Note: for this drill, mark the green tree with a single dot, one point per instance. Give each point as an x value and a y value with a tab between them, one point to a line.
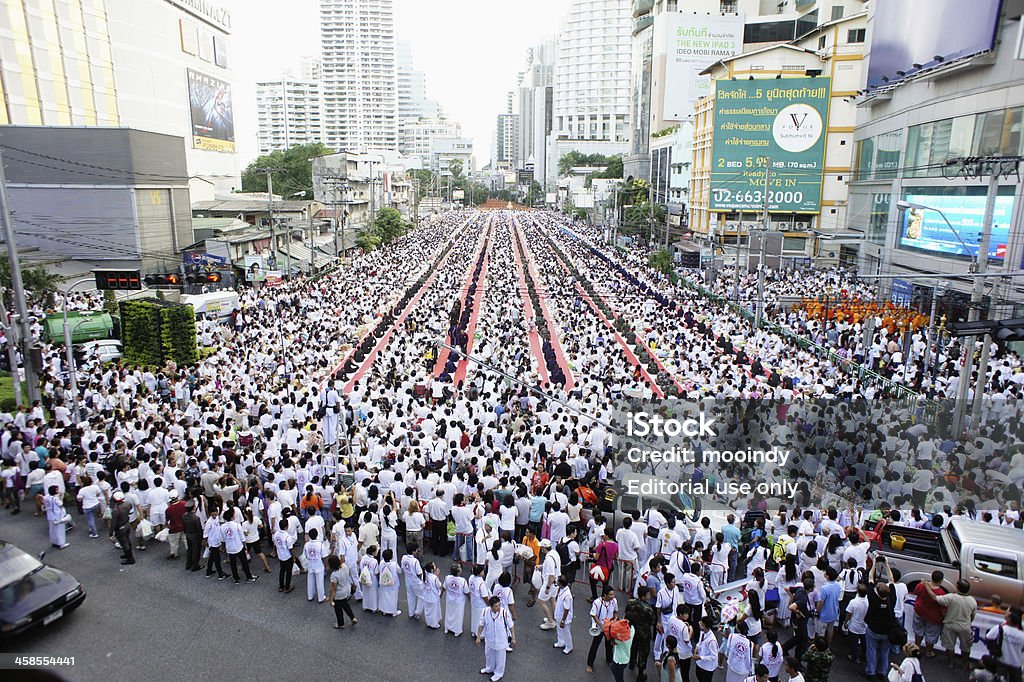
40	284
661	260
297	175
367	242
389	225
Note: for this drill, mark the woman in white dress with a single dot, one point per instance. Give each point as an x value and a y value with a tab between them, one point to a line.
456	588
368	580
485	538
413	581
492	560
388	534
432	589
53	505
478	595
389	582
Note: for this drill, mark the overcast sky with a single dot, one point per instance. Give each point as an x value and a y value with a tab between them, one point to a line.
470	50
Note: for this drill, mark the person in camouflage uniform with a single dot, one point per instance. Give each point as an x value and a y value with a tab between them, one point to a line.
818	661
642	617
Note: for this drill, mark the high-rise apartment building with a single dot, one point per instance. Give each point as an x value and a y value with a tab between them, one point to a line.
592	72
288	113
535	98
507	138
358	74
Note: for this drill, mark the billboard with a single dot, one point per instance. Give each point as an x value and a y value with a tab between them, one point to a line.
939	28
213	122
901	292
695	42
925	229
781	120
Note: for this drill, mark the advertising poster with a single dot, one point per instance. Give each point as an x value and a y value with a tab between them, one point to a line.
255	268
213	123
781	120
925	230
695	42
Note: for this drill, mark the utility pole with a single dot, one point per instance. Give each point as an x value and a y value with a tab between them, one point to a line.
759	314
270	210
373	209
980	266
12	351
18	287
312	245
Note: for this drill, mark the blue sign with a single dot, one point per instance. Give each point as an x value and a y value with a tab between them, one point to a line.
924	229
901	293
201	258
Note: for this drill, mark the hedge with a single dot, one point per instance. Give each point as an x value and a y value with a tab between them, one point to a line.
155	331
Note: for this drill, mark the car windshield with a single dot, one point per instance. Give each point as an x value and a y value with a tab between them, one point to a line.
13	592
15	565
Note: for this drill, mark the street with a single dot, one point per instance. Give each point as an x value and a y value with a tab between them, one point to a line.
155	620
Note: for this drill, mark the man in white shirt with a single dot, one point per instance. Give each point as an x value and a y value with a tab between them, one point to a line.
497	629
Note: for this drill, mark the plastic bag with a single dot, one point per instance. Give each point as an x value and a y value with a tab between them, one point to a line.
144	530
162	535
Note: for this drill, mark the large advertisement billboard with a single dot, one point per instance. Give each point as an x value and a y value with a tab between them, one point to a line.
909	32
778	120
695	42
924	229
213	121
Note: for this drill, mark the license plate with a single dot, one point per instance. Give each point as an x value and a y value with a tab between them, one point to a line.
53	616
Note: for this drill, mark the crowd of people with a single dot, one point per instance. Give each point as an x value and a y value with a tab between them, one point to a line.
348	426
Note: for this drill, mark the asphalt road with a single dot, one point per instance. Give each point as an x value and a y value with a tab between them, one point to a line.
154	621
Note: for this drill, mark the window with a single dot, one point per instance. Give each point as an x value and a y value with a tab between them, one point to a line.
821	42
794	244
837	12
855	35
995	565
629	503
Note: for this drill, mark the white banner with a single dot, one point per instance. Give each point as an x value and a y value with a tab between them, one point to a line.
695	42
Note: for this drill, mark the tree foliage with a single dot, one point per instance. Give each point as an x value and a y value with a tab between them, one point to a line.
574	158
155	331
661	260
297	175
388	226
40	284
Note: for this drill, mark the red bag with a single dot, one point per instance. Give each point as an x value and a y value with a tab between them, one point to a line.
587	495
616	630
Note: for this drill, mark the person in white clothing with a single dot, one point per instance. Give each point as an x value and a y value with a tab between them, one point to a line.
478	594
432	589
413	581
455	589
563	616
313	552
56	517
368	580
498	630
551	568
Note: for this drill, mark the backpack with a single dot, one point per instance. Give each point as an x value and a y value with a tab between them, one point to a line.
192	477
616	630
364	575
586	494
995	646
386	579
779	551
563	552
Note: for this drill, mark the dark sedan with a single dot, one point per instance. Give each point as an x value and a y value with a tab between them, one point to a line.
32	593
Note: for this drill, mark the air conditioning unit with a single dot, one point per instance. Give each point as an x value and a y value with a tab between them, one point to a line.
801	227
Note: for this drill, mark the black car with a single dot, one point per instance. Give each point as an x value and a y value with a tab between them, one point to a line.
32	593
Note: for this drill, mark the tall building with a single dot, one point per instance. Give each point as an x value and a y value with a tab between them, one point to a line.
413	103
535	103
155	65
288	113
309	69
358	74
507	138
591	91
417	137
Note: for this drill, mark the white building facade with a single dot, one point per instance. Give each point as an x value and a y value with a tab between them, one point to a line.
288	113
162	66
358	74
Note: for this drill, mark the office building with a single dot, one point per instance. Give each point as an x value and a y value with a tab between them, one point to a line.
288	113
507	138
358	74
955	91
156	65
535	106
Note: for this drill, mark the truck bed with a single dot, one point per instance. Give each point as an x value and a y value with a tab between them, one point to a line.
921	544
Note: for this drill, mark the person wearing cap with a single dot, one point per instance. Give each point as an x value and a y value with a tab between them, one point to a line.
193	528
174	515
121	528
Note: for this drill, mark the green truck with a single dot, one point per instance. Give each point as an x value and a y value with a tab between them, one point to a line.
85	326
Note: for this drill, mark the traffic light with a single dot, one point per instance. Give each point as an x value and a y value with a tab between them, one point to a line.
1010	331
163	279
117	280
204	278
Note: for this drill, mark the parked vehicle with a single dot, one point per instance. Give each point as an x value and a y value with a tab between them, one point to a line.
990	557
214	304
33	593
104	350
85	326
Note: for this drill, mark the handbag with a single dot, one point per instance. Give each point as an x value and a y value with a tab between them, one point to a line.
897	635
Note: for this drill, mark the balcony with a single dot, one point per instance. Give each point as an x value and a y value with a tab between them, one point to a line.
642	7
